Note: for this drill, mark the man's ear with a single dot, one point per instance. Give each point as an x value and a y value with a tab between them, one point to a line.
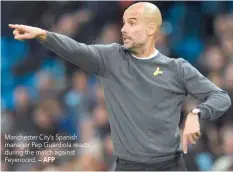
152	28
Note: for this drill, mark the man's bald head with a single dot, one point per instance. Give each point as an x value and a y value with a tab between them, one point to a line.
142	22
149	11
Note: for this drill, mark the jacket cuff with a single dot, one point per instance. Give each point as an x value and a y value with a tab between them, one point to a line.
204	115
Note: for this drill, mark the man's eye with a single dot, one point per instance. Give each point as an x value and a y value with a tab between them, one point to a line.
132	23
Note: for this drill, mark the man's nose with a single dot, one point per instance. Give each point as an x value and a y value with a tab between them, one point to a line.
123	29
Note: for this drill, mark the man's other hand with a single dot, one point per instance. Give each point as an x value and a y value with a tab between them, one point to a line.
23	32
191	131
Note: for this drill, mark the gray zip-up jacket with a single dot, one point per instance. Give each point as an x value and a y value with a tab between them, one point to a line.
143	97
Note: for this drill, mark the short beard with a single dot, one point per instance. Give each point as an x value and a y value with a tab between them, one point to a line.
132	49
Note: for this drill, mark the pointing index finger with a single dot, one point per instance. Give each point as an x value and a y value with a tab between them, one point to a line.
12	26
15	26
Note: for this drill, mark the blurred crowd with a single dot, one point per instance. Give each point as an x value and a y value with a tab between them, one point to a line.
42	93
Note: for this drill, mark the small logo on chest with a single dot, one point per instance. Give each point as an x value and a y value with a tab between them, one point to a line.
157	72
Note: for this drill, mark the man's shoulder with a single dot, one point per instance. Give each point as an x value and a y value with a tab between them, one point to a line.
181	60
175	64
110	48
113	45
171	60
118	47
180	64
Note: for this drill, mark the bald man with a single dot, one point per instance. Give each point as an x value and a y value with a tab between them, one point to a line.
144	90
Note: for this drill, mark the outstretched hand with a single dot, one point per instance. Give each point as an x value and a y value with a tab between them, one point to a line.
23	32
191	132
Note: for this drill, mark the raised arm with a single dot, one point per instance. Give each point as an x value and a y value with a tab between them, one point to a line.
88	57
214	100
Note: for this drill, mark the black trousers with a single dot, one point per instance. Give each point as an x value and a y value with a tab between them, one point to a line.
176	164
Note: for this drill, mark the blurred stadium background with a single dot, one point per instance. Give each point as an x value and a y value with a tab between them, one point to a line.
42	93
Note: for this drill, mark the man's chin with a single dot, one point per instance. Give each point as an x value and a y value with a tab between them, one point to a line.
127	46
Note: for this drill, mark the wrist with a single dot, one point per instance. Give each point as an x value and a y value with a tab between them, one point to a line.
42	35
196	111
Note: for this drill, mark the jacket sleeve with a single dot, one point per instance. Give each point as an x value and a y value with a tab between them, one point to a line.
88	57
215	101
